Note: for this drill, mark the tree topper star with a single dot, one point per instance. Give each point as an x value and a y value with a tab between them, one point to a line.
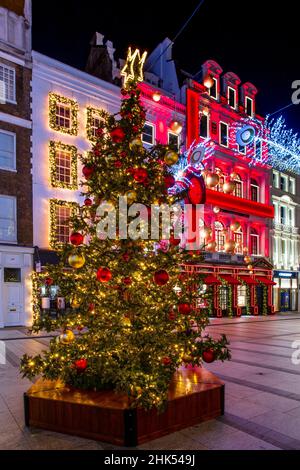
133	68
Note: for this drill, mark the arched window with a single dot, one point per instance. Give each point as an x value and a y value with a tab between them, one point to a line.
219	186
219	236
254	190
238	190
254	242
238	238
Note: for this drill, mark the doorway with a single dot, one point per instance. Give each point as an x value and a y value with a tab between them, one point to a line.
13	297
285	300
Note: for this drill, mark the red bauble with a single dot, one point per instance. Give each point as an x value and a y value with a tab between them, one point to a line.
166	361
172	316
123	92
136	129
174	241
118	164
140	175
48	281
80	327
184	308
123	154
104	274
76	238
182	277
87	171
161	277
91	307
126	257
169	181
127	281
97	152
99	131
88	202
117	135
208	355
81	365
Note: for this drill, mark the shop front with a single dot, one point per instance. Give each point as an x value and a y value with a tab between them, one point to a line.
285	293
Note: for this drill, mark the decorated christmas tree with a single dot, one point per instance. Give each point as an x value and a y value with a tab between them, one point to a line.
135	314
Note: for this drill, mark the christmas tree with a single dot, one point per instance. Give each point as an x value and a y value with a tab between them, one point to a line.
135	314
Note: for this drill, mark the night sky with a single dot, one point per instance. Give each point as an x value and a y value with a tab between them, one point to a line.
258	40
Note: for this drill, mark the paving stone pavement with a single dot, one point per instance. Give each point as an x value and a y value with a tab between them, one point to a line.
262	393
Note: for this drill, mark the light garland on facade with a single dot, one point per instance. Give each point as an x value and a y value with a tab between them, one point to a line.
91	113
54	147
53	225
55	100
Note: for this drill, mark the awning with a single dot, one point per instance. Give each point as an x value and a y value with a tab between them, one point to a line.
230	279
211	279
265	281
248	280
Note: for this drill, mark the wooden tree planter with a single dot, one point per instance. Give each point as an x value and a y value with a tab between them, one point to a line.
195	395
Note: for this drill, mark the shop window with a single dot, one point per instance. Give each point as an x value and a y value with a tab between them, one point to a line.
148	134
204	128
238	190
241	296
254	190
223	138
232	97
12	275
254	242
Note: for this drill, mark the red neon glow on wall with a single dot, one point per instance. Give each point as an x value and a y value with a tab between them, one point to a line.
192	118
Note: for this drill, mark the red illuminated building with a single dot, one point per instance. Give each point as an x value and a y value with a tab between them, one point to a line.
238	210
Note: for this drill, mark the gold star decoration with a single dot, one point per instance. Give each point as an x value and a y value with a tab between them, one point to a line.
133	68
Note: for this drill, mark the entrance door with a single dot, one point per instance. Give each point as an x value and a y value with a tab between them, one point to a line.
284	300
259	298
13	297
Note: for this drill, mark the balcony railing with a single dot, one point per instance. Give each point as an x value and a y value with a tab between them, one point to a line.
285	228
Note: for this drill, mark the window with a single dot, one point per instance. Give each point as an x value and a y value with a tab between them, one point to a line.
213	90
241	296
292	217
254	190
204	130
258	150
283	182
224	134
242	149
254	242
8	81
219	186
7	150
283	247
173	140
63	165
249	106
60	213
12	275
223	297
238	238
219	236
283	215
292	185
8	219
95	117
238	189
148	134
232	97
275	179
63	114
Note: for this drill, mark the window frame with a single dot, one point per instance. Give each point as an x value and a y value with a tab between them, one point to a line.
173	134
286	179
54	147
220	134
53	236
293	182
56	100
247	98
254	236
6	99
14	199
275	176
238	183
207	125
93	113
252	185
218	233
230	88
150	124
238	237
215	80
13	134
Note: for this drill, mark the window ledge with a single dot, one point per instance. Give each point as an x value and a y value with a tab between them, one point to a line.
11	170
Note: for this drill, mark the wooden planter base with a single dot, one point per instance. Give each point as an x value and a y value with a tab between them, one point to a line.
195	395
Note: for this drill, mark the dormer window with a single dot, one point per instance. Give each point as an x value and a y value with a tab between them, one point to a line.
249	106
213	90
231	94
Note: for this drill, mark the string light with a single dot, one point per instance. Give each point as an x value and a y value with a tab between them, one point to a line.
54	102
54	148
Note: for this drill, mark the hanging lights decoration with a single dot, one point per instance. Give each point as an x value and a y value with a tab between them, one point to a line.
55	122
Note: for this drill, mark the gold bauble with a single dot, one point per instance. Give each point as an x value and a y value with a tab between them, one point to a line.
211	246
67	337
207	232
75	303
245	250
126	321
250	272
247	259
250	267
229	246
216	209
137	142
228	187
212	180
131	196
171	157
187	358
76	261
234	226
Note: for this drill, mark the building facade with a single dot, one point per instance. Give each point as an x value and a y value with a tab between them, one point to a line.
285	240
16	252
66	104
238	211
